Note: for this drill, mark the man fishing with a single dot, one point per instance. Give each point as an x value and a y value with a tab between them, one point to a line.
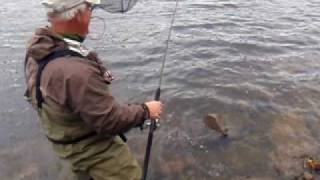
68	86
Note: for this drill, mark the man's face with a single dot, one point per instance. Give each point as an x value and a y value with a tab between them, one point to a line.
84	21
79	24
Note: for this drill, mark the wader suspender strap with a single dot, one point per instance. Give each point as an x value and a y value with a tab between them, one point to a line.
41	65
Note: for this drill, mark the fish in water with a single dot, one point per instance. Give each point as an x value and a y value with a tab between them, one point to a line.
215	122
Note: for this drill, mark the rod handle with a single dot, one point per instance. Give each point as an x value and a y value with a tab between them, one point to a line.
157	95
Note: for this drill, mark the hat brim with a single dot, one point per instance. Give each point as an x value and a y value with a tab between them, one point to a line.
94	1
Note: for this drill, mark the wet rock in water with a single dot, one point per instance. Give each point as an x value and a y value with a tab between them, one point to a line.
29	172
176	164
242	157
29	160
252	178
216	122
292	138
307	176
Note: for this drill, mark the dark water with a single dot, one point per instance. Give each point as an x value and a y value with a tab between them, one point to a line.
254	62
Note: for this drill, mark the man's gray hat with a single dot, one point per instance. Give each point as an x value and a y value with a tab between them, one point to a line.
59	6
113	6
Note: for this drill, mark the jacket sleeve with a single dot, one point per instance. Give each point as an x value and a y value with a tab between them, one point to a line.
91	99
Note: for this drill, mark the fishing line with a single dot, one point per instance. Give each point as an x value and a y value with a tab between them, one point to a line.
155	123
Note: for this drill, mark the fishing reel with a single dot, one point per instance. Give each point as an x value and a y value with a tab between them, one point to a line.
148	124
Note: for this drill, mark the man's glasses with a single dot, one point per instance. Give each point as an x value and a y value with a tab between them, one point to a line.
93	7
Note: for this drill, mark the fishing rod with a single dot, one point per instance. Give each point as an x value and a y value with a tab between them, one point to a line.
155	123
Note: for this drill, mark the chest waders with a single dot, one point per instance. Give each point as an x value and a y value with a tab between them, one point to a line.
41	66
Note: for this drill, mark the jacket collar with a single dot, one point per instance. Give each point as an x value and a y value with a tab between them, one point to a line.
77	47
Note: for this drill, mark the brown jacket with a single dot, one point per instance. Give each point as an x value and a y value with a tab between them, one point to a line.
78	85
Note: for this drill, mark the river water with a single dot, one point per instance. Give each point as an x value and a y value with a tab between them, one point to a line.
254	62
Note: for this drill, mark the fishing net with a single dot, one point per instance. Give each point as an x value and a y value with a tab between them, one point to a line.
116	6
